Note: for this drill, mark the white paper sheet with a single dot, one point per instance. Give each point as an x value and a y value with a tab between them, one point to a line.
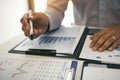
14	68
94	73
106	56
63	40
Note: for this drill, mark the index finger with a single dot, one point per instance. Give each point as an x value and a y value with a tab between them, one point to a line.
24	20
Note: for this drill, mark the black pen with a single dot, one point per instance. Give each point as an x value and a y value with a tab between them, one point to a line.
45	52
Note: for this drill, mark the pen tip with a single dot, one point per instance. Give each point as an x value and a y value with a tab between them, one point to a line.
31	37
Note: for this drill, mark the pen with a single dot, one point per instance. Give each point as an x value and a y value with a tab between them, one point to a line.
31	29
70	73
73	67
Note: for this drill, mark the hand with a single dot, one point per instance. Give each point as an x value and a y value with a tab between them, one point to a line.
40	24
106	39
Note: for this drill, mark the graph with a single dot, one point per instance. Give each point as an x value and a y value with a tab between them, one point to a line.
17	69
21	71
32	69
1	63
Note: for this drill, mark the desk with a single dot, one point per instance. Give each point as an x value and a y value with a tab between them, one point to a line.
6	46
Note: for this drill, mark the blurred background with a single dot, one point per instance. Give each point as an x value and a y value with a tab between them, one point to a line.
11	12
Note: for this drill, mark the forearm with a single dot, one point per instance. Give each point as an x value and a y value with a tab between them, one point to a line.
55	11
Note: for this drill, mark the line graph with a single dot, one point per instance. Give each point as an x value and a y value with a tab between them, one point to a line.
21	71
1	63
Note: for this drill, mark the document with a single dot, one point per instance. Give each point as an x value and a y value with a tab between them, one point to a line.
63	40
42	68
97	73
106	56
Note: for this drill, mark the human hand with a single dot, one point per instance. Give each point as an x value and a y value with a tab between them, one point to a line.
40	24
106	39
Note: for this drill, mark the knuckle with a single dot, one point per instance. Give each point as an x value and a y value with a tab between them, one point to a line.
102	39
107	43
100	42
105	46
110	40
97	44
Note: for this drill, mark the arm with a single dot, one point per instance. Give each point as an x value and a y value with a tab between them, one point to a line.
55	11
51	19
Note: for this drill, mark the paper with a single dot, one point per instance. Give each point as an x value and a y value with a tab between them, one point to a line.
12	68
63	40
106	56
94	73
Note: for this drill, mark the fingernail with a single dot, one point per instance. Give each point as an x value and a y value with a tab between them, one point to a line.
94	49
110	49
100	49
90	46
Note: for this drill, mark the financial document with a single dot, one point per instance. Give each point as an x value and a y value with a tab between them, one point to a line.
13	68
106	56
63	40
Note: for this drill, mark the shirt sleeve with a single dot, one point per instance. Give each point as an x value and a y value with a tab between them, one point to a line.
55	11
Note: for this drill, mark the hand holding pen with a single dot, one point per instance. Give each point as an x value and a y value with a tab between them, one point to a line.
39	21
